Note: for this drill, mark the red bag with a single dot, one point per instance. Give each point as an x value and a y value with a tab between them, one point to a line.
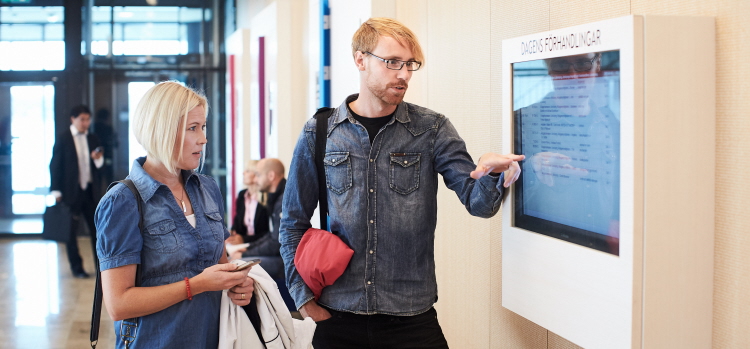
321	259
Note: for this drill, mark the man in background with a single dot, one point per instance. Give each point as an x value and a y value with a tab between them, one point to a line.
74	172
270	180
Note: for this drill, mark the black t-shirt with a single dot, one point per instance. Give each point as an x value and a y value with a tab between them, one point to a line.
373	125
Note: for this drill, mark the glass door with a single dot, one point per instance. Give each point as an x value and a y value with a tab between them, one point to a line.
32	136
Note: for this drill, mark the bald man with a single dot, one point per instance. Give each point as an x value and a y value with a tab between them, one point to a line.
269	174
269	177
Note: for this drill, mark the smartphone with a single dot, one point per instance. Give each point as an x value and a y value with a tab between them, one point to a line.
247	264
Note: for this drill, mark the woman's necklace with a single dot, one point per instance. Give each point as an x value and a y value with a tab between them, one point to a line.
182	192
182	196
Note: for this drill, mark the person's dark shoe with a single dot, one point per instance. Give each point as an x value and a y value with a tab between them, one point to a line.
81	275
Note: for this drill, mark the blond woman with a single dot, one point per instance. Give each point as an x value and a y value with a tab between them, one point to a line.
181	250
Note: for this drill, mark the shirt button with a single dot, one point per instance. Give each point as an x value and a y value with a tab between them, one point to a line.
371	251
372	221
371	190
369	282
371	160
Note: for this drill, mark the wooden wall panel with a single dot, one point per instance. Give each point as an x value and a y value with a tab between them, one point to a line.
731	259
675	8
467	247
508	329
413	14
556	342
458	51
679	126
566	13
732	252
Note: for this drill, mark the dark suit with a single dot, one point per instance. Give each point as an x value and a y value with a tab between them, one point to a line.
65	178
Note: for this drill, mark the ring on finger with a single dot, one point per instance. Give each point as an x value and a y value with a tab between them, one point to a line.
242	296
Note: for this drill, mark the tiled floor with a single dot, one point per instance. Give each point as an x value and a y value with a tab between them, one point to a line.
42	304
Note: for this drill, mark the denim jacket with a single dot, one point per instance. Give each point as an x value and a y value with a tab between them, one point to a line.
169	250
383	204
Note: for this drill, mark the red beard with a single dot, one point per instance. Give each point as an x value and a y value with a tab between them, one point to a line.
389	95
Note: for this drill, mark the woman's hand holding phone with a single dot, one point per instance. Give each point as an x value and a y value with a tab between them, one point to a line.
216	278
246	264
242	293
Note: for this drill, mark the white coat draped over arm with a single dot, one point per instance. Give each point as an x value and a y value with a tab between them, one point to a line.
279	329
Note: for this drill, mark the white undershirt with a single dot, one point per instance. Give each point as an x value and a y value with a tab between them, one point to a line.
191	219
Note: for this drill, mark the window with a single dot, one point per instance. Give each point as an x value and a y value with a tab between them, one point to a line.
36	33
145	30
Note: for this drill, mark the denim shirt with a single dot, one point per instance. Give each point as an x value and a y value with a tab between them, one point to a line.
169	250
382	201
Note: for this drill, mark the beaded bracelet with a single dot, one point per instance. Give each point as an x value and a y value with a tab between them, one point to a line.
187	286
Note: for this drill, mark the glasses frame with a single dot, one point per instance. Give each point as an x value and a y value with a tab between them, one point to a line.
583	61
403	63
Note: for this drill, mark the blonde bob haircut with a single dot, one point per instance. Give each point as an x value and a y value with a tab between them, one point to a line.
366	37
161	116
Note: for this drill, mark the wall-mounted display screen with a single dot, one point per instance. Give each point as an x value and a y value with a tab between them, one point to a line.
567	123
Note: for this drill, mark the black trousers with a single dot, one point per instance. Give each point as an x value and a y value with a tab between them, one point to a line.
82	210
347	330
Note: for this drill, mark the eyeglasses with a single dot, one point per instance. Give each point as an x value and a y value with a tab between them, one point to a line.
563	66
396	64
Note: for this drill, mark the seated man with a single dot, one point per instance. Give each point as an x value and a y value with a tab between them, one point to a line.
269	179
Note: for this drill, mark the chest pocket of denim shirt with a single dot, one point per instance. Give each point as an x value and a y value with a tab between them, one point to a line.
217	226
338	171
404	173
162	237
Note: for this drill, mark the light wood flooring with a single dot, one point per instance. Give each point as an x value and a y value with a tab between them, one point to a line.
41	304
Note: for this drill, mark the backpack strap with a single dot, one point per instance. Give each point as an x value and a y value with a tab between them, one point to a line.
127	327
321	136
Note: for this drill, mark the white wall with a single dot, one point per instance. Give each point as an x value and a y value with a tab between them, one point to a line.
286	74
346	17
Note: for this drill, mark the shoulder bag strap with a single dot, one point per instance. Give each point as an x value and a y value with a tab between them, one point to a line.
321	136
128	327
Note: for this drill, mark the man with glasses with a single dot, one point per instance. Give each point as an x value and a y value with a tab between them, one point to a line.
382	161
